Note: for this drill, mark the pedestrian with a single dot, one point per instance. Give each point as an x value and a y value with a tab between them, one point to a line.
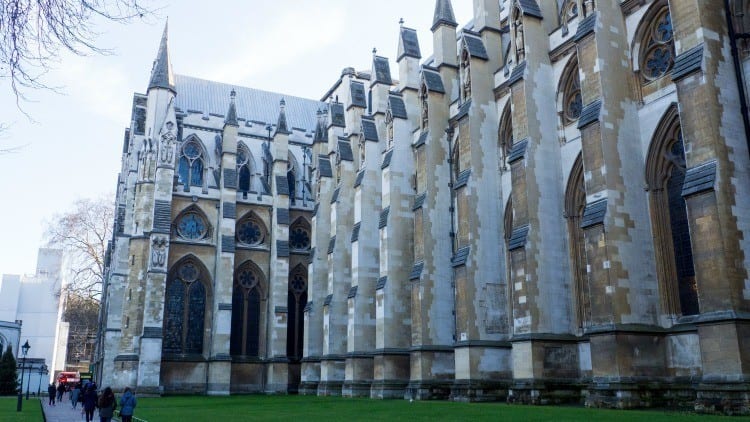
127	405
60	391
75	395
90	399
52	393
107	405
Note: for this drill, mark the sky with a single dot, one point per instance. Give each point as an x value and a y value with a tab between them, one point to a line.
70	145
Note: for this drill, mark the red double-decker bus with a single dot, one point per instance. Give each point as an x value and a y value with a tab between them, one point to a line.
68	378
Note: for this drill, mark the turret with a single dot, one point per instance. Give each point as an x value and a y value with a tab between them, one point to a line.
408	58
444	34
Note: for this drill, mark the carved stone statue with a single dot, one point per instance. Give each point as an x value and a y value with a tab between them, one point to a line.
520	49
168	139
159	253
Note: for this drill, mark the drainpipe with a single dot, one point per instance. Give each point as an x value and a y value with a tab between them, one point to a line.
738	69
449	132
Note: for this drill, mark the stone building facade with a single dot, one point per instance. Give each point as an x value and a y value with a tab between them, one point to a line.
552	207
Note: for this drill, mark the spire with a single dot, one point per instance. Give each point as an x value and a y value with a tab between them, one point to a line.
161	73
321	134
281	126
443	14
231	119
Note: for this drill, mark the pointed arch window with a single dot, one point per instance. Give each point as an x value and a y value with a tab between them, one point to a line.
567	11
250	231
296	301
291	177
423	101
505	135
244	169
570	93
185	309
192	225
657	45
665	175
246	311
191	164
389	128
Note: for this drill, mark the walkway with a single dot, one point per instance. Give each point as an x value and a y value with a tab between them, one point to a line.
62	412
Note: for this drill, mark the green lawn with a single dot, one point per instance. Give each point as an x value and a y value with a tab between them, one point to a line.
32	411
240	408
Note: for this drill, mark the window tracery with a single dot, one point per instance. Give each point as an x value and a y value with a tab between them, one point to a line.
572	102
657	46
250	231
244	168
246	299
184	310
191	225
299	236
191	165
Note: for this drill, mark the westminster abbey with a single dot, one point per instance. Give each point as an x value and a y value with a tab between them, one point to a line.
553	207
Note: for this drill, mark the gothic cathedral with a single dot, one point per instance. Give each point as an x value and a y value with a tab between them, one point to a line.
553	207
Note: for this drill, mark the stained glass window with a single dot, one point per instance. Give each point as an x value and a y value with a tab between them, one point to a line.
192	226
190	167
184	311
244	163
246	297
572	101
657	55
249	231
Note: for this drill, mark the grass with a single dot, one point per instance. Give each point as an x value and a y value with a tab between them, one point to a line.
32	411
265	408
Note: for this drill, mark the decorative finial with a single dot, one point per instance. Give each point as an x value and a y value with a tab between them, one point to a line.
282	103
233	94
401	22
374	51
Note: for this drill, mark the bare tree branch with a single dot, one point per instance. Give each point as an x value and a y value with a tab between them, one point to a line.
33	33
83	233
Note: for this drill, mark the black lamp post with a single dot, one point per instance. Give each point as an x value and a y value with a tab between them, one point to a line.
28	382
42	371
25	348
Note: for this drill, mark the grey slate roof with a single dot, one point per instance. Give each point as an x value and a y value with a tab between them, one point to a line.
352	292
396	105
335	196
517	74
360	177
585	27
461	256
688	62
422	139
699	179
384	217
594	213
355	232
530	8
416	270
408	44
589	114
229	210
161	73
387	159
308	306
419	201
162	216
337	115
345	150
282	248
230	178
443	14
474	45
227	244
382	70
463	110
210	97
282	185
328	300
358	94
282	215
324	166
369	129
432	79
518	150
462	179
518	238
331	244
381	283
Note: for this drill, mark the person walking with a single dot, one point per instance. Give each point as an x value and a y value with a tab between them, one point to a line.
127	405
75	395
60	391
90	400
107	405
52	393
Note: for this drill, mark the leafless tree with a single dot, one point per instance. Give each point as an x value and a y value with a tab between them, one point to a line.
33	33
82	315
83	233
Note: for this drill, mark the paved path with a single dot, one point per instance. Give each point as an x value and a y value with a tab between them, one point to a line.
63	412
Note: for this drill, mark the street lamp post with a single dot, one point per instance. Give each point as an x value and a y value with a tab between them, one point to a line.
25	348
42	371
28	383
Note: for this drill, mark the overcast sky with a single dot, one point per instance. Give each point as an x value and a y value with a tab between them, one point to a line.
73	149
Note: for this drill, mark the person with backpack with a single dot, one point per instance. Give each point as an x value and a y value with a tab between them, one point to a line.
107	405
90	400
127	405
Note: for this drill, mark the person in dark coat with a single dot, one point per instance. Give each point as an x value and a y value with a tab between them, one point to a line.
90	399
127	405
107	405
60	391
52	393
75	395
